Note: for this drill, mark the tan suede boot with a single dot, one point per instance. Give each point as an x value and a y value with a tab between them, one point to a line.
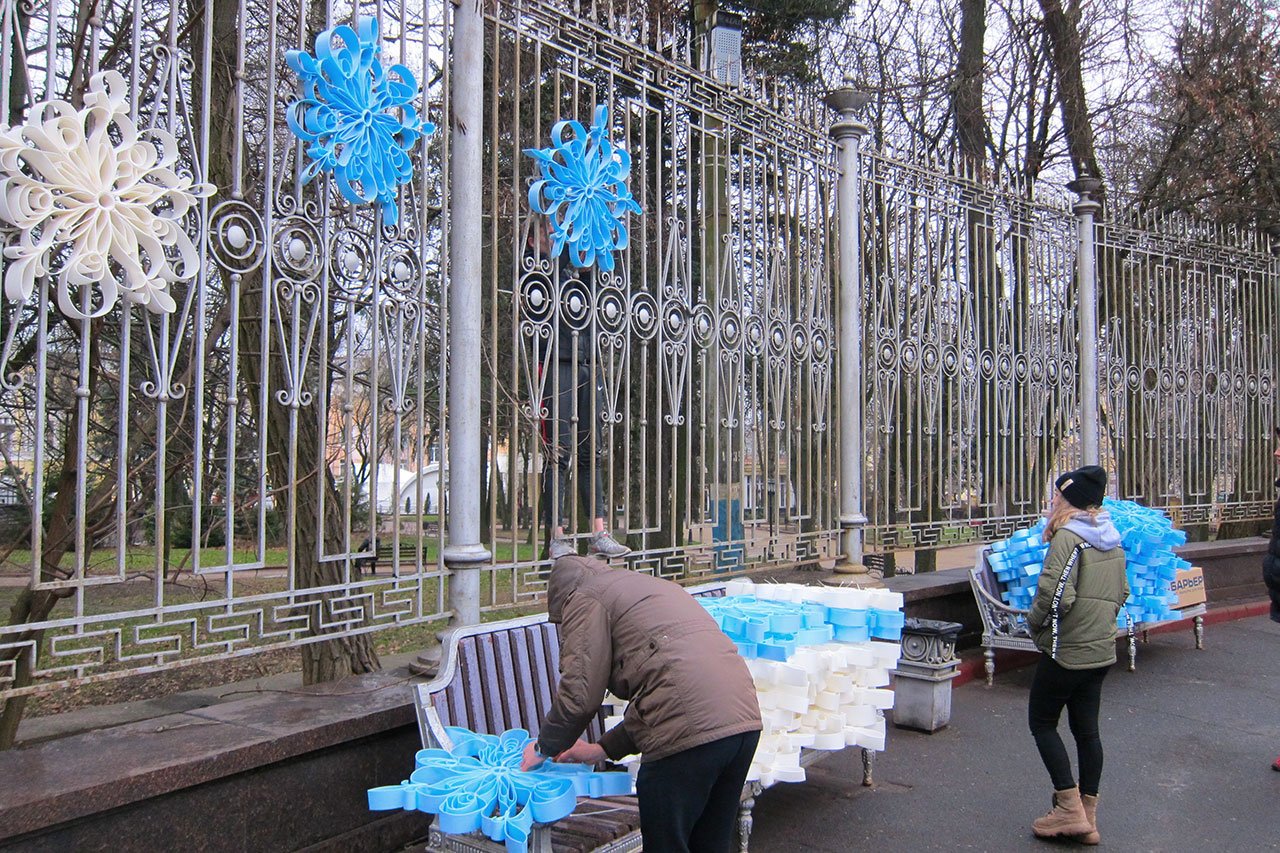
1090	803
1067	816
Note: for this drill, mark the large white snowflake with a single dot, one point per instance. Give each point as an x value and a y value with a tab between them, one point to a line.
98	200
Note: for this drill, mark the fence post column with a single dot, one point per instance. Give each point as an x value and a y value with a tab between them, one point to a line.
464	554
848	131
1087	308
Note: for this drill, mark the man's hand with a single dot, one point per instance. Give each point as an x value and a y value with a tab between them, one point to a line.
531	757
582	753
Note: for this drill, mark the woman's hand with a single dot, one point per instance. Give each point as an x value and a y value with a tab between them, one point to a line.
582	753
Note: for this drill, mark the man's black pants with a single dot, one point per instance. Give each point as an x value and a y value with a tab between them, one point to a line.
689	801
1080	692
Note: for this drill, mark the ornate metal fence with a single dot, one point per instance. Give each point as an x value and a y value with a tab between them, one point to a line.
222	372
1188	324
707	349
970	343
226	323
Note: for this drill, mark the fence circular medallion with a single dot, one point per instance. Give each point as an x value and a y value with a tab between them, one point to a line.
1021	367
1051	371
821	349
730	331
987	363
1181	379
644	316
535	297
1150	379
1037	369
969	364
950	360
755	335
1166	379
1115	376
575	303
777	338
1264	386
1004	367
704	325
401	268
1197	382
297	249
1134	378
1211	383
611	309
929	357
237	236
1253	383
887	353
675	322
352	260
799	341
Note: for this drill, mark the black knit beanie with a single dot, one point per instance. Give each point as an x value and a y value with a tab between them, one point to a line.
1084	487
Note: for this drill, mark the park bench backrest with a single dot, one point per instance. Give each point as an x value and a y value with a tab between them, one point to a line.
498	676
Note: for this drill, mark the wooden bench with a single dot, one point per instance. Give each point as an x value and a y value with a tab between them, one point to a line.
1004	627
502	675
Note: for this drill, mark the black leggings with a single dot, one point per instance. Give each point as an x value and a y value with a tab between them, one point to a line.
689	801
1080	692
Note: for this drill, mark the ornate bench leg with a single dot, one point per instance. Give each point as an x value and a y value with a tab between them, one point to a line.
1133	653
990	654
1198	628
868	765
744	817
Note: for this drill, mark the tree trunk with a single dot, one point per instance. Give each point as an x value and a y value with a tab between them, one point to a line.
971	125
295	459
1063	28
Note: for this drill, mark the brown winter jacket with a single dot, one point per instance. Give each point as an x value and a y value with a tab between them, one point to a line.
648	641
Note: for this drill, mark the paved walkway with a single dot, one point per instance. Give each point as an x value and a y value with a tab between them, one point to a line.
1189	740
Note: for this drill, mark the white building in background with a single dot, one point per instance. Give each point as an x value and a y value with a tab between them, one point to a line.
413	487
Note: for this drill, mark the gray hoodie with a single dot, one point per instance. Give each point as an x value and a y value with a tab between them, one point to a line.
1097	530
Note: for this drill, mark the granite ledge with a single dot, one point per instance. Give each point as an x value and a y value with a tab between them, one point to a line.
75	776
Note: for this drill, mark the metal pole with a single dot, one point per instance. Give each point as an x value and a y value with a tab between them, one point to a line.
848	132
1087	343
464	554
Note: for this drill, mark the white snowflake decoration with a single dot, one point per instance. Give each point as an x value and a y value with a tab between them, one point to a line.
105	205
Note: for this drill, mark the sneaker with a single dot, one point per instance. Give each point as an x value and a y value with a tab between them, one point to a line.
561	548
604	545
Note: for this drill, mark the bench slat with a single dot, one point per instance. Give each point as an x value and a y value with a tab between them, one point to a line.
491	681
473	692
508	676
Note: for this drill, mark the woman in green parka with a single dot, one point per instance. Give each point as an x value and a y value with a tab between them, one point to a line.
1073	620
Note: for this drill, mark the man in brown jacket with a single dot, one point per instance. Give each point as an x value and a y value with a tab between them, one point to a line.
693	713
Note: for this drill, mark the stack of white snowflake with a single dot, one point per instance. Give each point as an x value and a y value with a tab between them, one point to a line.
825	697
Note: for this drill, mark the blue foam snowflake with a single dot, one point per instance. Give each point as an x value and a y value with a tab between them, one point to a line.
478	785
583	191
357	117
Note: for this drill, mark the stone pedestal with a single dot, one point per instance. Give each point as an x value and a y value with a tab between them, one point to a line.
922	684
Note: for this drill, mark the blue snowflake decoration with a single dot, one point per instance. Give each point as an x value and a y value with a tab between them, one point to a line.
583	191
357	118
478	786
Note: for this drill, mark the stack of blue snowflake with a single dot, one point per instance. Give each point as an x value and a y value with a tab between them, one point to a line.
772	629
1016	563
1148	538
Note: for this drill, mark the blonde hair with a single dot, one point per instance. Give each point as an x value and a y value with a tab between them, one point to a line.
1061	512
